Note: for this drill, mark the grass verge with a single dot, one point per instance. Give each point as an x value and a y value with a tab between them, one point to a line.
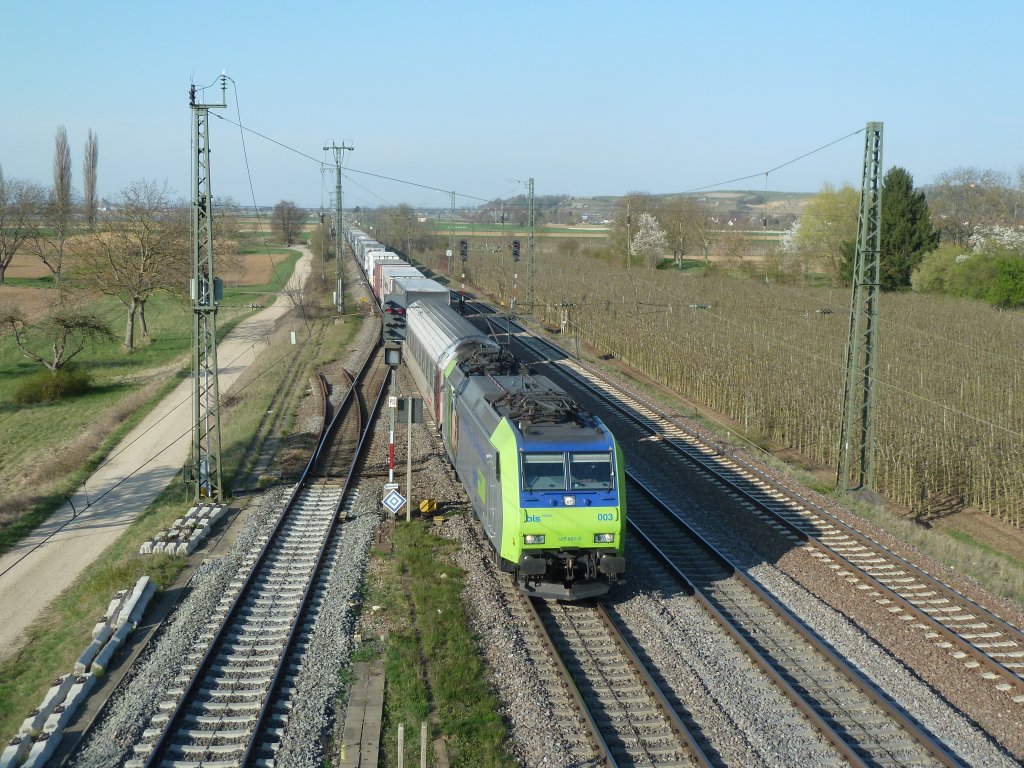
431	661
126	415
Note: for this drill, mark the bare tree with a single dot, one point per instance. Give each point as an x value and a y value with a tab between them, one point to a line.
686	223
964	198
287	219
58	337
89	161
20	204
141	250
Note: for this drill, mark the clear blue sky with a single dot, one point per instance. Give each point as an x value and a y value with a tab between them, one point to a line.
589	98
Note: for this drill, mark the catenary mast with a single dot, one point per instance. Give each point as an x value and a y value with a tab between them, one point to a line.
206	294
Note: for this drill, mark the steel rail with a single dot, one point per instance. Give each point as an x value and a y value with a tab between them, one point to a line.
187	695
685	745
859	681
675	721
596	737
307	595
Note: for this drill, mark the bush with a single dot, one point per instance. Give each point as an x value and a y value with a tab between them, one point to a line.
935	272
46	386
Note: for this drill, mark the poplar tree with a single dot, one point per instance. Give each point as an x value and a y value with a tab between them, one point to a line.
89	162
50	242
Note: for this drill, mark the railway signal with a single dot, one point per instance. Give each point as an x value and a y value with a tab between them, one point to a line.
515	250
464	255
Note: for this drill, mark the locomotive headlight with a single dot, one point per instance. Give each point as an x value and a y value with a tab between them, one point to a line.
533	538
604	538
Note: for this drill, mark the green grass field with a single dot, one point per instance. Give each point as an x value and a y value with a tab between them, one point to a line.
431	664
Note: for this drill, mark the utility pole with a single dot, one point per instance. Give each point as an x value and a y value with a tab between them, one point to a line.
515	280
531	249
322	244
764	228
451	236
856	468
206	293
338	154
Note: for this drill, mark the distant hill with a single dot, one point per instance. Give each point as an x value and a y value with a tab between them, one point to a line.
749	205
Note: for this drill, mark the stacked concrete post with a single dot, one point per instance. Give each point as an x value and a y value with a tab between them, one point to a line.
41	732
185	533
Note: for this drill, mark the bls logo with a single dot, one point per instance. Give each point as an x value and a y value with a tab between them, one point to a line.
533	518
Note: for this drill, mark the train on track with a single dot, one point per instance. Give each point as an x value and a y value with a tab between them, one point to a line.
546	478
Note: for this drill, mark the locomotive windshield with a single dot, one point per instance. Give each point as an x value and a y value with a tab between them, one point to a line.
543	471
591	471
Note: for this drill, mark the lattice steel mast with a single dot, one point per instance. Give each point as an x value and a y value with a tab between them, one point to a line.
531	250
206	294
856	468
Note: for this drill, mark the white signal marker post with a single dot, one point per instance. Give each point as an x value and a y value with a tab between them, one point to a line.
408	460
393	359
392	407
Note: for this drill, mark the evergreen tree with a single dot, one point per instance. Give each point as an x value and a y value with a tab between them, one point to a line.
906	229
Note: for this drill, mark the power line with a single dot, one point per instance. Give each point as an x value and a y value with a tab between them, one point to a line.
252	189
772	170
300	153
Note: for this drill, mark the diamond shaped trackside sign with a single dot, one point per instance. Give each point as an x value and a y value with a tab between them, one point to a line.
394	501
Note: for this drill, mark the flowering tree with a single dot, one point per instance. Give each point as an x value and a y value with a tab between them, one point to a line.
994	237
649	242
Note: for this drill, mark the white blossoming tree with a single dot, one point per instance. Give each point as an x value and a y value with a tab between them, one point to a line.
995	237
650	242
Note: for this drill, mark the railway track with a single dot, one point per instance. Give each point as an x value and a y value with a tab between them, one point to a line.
628	718
230	701
976	636
863	726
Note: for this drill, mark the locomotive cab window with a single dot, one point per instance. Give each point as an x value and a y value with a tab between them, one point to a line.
591	471
543	472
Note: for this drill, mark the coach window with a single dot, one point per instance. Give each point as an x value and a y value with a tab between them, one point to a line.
543	472
591	471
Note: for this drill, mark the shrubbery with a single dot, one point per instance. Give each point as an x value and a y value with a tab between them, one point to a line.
45	387
996	277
